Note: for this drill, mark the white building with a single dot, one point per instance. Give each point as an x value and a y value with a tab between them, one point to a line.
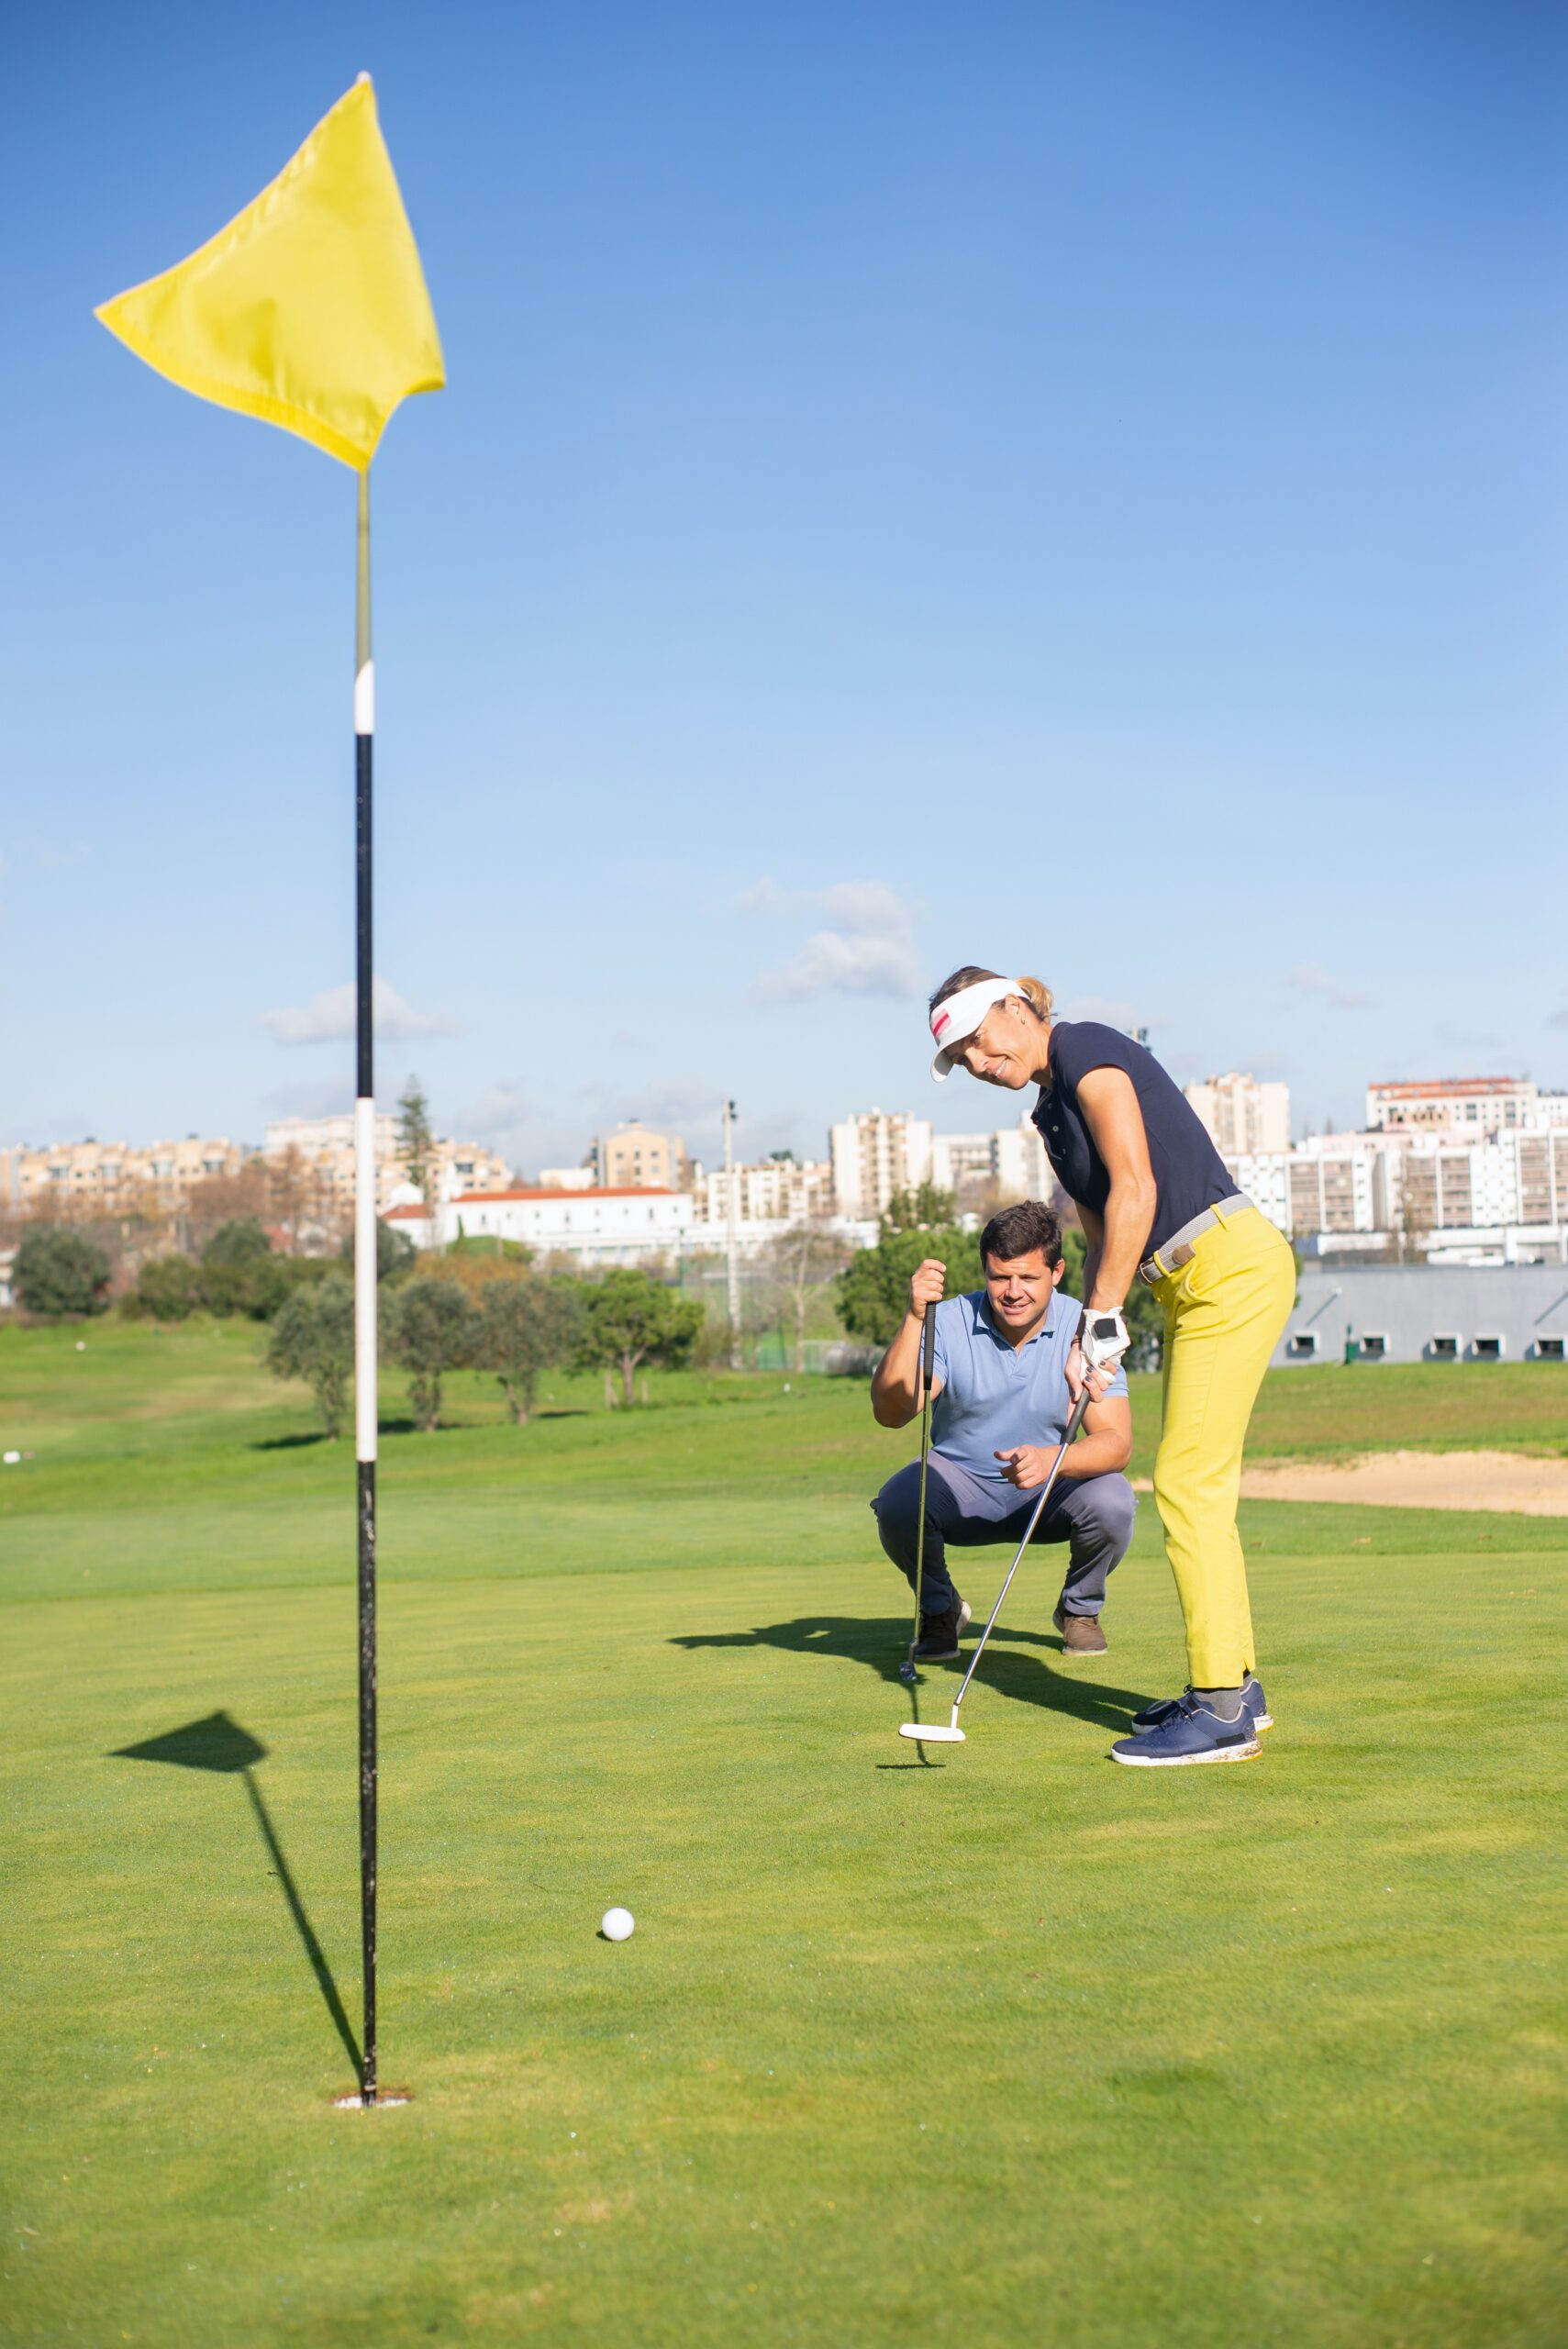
873	1154
1241	1116
1011	1163
1424	1186
779	1190
596	1227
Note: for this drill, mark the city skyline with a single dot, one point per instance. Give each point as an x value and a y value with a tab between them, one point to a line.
1081	499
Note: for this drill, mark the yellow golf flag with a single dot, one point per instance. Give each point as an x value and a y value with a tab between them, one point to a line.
309	311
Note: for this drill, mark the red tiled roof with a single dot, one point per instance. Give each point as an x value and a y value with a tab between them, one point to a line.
1424	1088
549	1191
415	1212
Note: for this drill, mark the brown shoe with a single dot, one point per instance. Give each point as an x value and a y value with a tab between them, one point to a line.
1081	1634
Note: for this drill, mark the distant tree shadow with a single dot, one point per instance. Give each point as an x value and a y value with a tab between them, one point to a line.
882	1643
287	1443
217	1743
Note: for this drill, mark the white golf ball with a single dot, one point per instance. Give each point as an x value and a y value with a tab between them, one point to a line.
617	1924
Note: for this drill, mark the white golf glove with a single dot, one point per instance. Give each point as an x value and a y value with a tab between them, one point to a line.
1105	1339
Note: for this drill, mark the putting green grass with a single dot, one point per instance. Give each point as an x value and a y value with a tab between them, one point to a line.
1011	2046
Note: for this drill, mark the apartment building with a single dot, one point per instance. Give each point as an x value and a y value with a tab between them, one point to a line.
108	1177
1008	1164
637	1158
1425	1187
324	1148
1243	1117
780	1191
873	1154
1473	1105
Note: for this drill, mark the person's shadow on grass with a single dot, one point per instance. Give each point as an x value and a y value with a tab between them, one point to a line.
882	1643
217	1743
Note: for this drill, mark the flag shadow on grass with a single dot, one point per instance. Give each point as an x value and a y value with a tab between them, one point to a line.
882	1643
220	1744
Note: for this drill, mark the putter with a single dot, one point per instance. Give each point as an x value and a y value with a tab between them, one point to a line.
953	1734
928	1357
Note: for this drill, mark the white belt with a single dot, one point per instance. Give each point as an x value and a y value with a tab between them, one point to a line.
1172	1254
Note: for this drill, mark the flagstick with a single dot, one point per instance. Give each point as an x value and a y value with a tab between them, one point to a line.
365	1267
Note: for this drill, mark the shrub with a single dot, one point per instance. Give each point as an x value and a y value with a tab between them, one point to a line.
167	1288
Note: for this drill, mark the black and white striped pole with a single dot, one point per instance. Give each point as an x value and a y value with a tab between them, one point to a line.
365	1263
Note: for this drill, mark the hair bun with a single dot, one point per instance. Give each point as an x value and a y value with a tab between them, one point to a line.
1039	994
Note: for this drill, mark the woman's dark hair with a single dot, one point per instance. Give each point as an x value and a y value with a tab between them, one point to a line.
1018	1232
969	974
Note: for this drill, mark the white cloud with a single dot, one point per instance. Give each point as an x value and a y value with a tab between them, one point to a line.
865	945
1310	978
329	1017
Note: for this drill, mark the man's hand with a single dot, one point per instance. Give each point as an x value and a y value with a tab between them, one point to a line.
1027	1464
926	1285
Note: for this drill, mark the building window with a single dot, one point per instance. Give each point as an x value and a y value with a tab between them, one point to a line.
1302	1345
1442	1349
1375	1346
1487	1349
1548	1349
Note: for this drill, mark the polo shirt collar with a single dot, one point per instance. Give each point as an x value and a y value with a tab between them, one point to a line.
1047	1329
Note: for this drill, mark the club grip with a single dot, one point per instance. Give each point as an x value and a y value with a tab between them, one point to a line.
929	1348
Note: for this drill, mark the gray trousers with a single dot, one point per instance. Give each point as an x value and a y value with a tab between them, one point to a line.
1092	1514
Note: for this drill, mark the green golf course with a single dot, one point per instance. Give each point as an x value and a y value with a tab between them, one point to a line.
1003	2045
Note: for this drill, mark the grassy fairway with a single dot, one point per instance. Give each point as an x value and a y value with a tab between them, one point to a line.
1014	2047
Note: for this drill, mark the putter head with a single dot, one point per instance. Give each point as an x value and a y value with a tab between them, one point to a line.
943	1733
906	1672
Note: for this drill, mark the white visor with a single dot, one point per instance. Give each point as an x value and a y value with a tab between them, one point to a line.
957	1016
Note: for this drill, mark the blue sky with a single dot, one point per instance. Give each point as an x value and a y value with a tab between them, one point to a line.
1079	490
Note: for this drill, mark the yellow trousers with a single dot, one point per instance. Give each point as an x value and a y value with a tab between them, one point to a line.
1225	1313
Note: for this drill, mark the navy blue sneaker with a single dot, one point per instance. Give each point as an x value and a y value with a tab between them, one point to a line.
1252	1702
1192	1735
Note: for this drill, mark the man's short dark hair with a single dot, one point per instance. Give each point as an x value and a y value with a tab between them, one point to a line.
1018	1232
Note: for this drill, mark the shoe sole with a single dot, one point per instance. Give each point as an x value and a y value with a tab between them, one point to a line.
1248	1753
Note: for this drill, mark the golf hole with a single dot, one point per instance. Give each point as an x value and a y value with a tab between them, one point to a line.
354	2101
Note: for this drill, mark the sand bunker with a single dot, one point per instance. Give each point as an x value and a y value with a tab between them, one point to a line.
1473	1480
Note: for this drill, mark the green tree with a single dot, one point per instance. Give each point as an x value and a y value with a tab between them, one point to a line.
432	1328
395	1253
526	1327
313	1338
417	1143
874	1288
57	1271
800	1262
167	1288
628	1318
237	1244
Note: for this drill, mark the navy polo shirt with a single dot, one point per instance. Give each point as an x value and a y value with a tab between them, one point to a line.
1189	1173
995	1395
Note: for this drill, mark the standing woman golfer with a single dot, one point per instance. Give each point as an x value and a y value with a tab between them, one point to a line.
1157	1205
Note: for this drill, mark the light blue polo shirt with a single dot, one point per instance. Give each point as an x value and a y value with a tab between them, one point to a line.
996	1396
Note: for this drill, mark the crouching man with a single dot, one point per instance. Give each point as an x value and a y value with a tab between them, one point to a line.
1000	1404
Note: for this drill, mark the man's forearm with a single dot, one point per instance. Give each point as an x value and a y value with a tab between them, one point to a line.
895	1383
1100	1454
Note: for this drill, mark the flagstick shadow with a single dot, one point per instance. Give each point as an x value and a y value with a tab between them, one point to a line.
220	1744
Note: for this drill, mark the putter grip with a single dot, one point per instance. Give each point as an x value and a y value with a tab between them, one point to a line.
928	1348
